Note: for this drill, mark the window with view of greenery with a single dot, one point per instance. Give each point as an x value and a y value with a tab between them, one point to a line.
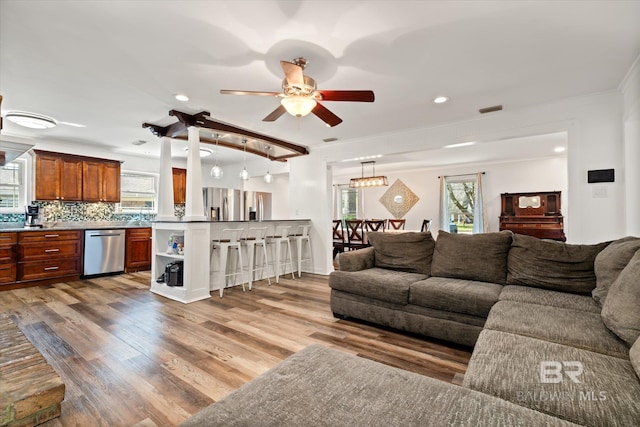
138	192
461	196
349	203
12	188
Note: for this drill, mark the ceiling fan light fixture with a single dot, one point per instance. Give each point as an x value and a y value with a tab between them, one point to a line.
298	106
31	120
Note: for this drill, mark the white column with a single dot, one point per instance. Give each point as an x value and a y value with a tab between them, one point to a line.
165	185
194	207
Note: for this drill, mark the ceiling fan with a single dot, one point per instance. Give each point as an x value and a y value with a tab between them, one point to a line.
300	95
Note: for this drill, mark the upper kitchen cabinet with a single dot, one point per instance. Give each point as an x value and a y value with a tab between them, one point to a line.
179	185
58	177
100	180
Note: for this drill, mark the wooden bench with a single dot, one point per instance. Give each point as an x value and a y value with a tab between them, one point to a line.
30	390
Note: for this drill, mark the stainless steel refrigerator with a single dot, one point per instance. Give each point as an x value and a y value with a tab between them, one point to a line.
257	206
222	204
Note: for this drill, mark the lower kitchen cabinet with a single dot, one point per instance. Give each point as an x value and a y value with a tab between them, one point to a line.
49	255
138	249
8	258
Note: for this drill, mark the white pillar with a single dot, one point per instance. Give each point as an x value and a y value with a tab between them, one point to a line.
194	206
165	186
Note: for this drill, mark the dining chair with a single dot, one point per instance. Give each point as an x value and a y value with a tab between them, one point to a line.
426	225
355	234
397	224
374	224
338	237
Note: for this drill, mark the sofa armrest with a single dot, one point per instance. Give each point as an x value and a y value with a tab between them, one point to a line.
360	259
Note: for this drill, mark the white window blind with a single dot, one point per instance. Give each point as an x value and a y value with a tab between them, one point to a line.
11	185
137	192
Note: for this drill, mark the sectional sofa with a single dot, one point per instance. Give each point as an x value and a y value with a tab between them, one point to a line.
554	328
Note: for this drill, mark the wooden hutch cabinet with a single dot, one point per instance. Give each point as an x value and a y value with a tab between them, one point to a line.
535	214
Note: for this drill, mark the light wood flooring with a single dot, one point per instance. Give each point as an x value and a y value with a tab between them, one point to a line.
130	357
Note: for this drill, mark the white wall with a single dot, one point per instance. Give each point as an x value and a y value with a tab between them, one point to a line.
631	91
548	174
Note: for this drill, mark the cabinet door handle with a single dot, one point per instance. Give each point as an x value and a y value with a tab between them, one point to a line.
47	236
52	250
51	268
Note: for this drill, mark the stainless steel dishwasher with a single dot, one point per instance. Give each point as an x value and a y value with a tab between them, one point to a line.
103	252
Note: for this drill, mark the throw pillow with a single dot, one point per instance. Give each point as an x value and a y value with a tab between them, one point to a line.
411	252
621	309
610	262
549	264
480	257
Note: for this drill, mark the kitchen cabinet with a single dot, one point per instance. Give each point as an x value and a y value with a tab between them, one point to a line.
179	185
138	249
49	255
100	180
8	258
58	176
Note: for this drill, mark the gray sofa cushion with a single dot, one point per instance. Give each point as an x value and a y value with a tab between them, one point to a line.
552	265
508	366
457	295
610	262
621	310
376	283
563	326
411	252
550	298
362	259
480	257
319	386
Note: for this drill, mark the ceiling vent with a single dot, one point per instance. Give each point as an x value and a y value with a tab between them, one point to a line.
330	139
490	109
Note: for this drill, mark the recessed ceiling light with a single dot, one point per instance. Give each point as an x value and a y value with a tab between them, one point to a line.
441	99
559	149
30	120
182	97
461	144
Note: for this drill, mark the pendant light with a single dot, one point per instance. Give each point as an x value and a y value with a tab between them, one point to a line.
369	181
244	175
216	171
268	178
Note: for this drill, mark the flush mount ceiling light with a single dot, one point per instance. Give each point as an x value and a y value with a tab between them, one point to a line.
440	99
181	97
31	120
370	181
204	152
216	171
460	144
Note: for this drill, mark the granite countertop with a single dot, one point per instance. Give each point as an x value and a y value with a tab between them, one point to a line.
73	225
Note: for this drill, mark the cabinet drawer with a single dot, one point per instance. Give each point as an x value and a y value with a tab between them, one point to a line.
47	269
138	232
7	253
48	236
8	238
49	250
7	273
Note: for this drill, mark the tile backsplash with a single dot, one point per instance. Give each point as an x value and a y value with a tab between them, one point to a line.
84	211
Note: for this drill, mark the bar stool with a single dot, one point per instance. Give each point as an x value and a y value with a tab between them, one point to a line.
229	240
256	236
280	237
302	235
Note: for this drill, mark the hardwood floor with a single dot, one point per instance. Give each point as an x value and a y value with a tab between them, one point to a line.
130	357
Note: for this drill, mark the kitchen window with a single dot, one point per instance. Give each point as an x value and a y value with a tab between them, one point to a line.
138	192
13	195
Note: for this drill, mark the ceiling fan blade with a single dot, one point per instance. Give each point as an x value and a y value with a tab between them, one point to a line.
325	115
275	114
293	73
249	92
347	95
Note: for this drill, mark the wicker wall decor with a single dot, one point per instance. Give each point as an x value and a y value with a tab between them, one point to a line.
399	199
